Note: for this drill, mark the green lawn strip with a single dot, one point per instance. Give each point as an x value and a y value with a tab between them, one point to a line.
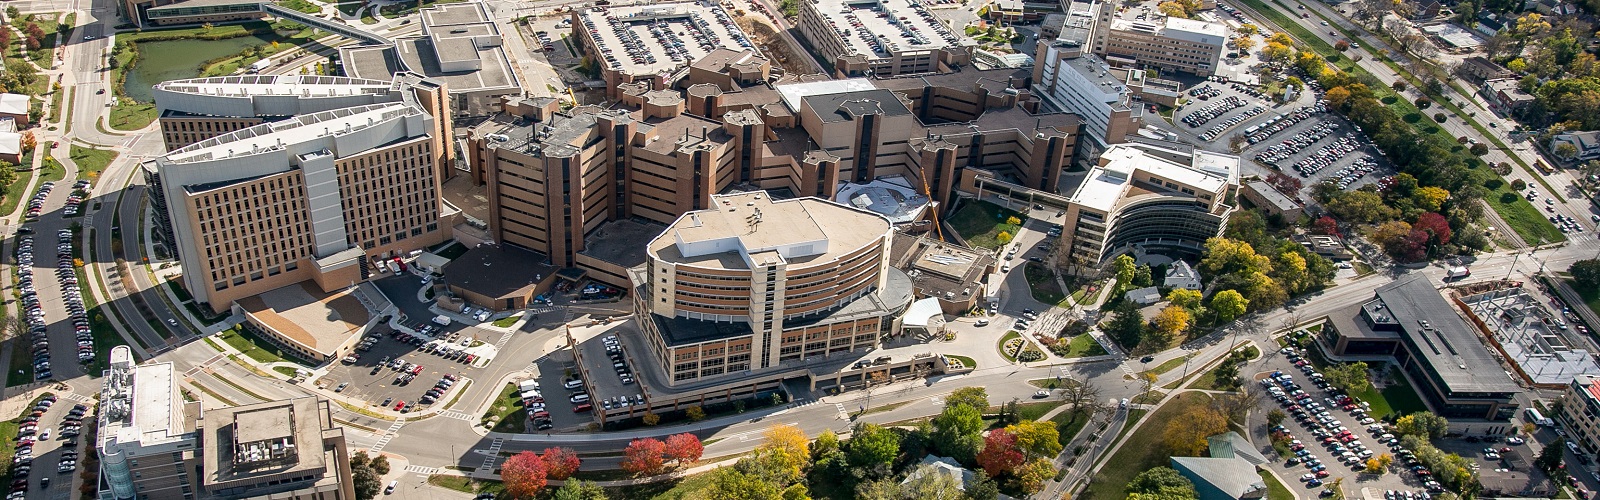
459	392
980	223
507	406
21	363
52	170
694	486
100	328
1591	297
68	122
1275	488
1167	366
1042	283
465	484
1083	346
302	6
506	322
965	361
1210	381
1519	214
284	370
55	106
349	8
15	192
257	348
1142	451
91	161
213	344
1002	345
215	395
1069	423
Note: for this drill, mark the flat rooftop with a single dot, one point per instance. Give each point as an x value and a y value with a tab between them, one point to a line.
749	229
1532	337
300	420
463	33
319	321
284	85
794	93
661	38
878	28
938	268
1439	336
140	406
293	131
499	271
1273	196
617	242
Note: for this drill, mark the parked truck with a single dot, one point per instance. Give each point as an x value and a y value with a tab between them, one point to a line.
259	66
1457	272
442	320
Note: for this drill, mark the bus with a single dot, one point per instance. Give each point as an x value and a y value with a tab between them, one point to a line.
1533	415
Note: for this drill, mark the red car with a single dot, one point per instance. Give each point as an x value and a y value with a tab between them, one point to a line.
541	414
416	370
398	405
582	408
1322	473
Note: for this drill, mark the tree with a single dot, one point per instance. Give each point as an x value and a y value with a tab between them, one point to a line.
1348	377
1079	394
380	465
524	474
786	449
1276	417
882	489
957	432
683	448
367	483
1436	228
1479	149
29	141
1229	304
1141	276
826	444
1165	482
1125	269
1341	45
1035	473
1185	298
1000	453
731	483
1126	325
1244	44
1424	425
1038	439
871	446
1172	320
983	488
1565	150
1551	456
1186	435
560	463
578	489
976	397
1399	86
1361	206
644	457
1248	29
1586	273
650	419
1277	53
1338	96
1003	237
1285	184
695	413
1430	198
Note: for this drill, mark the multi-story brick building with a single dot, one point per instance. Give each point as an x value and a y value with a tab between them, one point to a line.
882	38
751	284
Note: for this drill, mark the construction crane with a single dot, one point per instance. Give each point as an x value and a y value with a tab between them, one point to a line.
926	191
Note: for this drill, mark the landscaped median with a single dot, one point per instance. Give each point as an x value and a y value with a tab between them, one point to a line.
986	225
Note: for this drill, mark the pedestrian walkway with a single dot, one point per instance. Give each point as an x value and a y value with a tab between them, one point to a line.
487	470
388	435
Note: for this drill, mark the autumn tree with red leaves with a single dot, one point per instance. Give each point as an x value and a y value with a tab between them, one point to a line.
644	457
524	474
684	448
560	463
1000	453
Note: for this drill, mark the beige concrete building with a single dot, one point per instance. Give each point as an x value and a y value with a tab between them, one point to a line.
306	322
755	285
1580	411
882	38
1148	196
315	197
152	444
1175	44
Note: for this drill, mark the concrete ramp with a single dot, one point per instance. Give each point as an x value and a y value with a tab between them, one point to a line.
324	24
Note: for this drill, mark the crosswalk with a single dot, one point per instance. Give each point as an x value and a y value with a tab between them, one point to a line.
456	415
418	469
78	397
394	429
493	455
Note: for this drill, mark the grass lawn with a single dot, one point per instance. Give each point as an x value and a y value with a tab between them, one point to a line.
21	363
507	411
302	6
981	223
1142	451
1167	366
965	361
14	192
507	321
1363	269
91	161
257	348
465	484
1210	382
51	170
130	115
684	488
1069	423
1002	345
1043	284
1590	297
349	8
1083	346
1275	488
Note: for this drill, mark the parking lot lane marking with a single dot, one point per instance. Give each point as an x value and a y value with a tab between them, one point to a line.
418	469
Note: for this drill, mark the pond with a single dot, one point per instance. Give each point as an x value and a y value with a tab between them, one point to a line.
177	59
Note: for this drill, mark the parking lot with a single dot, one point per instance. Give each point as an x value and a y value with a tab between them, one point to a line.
47	448
382	378
603	385
1309	143
1330	435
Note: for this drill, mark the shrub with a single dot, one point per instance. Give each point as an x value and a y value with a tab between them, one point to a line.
1518	184
1423	102
1493	184
1508	198
1439	117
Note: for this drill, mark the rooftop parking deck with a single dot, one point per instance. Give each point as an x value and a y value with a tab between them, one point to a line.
881	27
646	39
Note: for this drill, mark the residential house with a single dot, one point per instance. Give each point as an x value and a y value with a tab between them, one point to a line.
1479	69
1181	275
1505	96
1588	143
